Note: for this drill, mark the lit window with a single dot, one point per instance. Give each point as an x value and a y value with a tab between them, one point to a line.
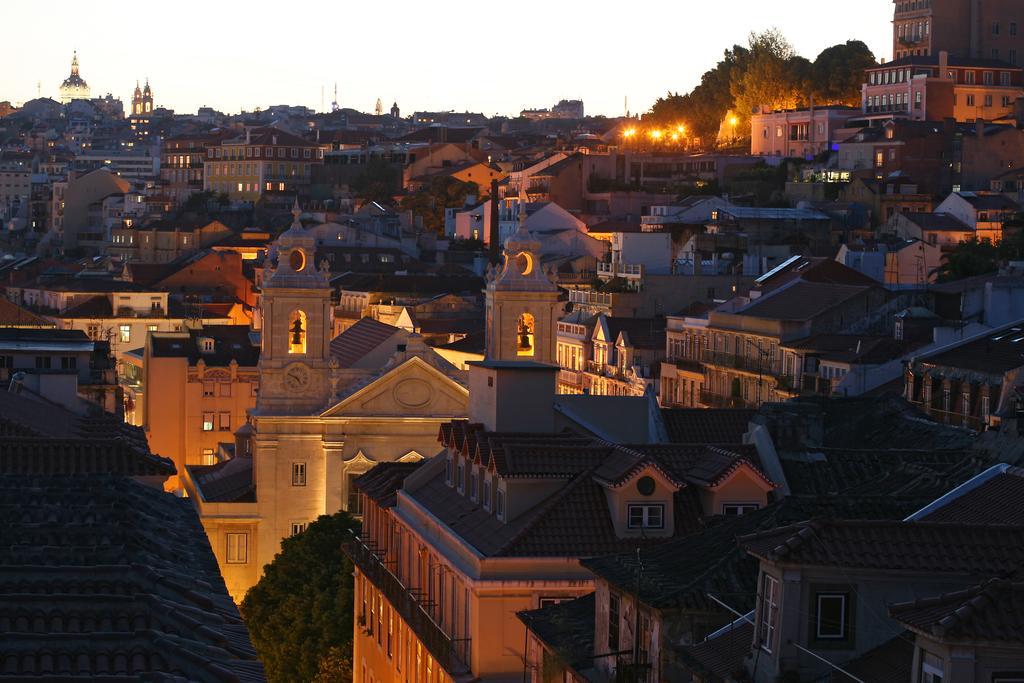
238	548
646	516
298	474
207	422
208	457
125	333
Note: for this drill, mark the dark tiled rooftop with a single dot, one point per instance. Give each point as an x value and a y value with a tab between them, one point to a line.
231	342
697	425
566	629
1000	500
105	576
230	481
992	612
721	658
381	484
975	550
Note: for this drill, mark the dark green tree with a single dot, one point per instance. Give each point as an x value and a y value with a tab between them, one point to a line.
299	615
968	259
442	192
838	73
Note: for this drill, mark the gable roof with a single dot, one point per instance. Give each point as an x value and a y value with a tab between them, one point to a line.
992	612
943	222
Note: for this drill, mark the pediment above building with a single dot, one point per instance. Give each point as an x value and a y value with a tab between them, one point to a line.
412	389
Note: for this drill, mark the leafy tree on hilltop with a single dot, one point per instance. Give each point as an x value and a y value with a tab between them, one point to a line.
839	73
299	615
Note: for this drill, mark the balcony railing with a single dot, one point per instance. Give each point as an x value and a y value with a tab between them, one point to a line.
712	400
974	422
451	654
762	366
625	270
570	377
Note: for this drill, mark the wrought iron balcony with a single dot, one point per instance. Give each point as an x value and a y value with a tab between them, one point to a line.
451	654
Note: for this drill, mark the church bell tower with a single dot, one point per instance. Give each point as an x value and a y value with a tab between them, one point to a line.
523	305
296	338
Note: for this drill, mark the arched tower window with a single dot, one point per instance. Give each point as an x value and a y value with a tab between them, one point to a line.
297	332
525	336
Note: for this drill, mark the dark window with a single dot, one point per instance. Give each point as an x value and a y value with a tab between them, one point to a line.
355	499
831	616
43	362
737	509
613	622
68	363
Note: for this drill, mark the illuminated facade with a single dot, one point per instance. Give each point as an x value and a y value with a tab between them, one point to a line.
74	86
522	303
987	29
263	161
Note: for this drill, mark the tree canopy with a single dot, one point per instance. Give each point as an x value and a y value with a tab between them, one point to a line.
766	74
299	615
442	192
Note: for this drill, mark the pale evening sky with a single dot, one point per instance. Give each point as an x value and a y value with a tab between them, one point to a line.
494	57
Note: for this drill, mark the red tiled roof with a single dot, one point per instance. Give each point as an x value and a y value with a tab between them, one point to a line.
360	339
978	550
13	315
992	612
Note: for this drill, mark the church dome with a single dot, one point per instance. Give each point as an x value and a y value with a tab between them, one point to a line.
74	86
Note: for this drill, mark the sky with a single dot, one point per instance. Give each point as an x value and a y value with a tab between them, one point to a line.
495	58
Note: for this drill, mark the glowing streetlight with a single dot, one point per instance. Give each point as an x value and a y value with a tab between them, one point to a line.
656	134
681	129
629	132
733	121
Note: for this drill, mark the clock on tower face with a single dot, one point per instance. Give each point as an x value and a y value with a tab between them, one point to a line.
296	377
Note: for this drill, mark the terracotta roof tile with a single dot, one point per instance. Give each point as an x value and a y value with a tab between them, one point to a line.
381	484
565	628
360	339
13	315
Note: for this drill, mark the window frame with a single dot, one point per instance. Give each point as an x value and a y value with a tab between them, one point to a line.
645	509
844	599
233	558
768	612
299	473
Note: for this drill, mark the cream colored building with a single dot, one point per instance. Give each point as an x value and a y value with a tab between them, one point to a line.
523	304
327	411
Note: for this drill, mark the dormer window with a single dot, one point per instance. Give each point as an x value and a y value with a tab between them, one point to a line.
460	480
499	504
448	479
646	515
474	483
487	494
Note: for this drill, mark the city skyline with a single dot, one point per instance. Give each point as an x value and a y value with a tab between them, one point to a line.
225	72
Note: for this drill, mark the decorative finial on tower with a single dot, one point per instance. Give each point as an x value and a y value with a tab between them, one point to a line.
296	214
